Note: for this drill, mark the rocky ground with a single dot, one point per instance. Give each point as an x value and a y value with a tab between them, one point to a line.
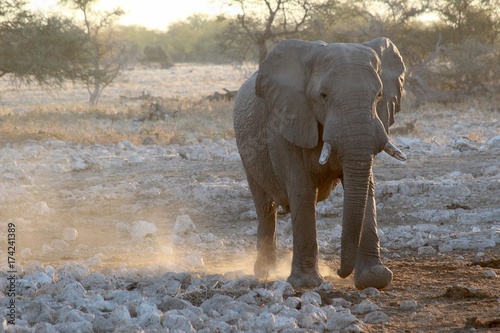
151	238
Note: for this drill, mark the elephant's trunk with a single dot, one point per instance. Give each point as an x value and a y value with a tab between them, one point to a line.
356	181
355	142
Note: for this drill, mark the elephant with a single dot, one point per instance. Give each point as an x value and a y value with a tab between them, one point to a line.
312	116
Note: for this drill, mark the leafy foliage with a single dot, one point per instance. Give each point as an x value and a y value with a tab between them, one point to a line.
35	48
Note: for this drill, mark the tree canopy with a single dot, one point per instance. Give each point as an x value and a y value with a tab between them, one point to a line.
448	45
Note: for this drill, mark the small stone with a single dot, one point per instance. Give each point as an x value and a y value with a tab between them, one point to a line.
72	293
283	323
340	320
282	289
490	273
192	261
325	286
72	327
142	229
292	302
184	225
59	245
426	251
69	234
94	261
312	317
377	317
369	292
445	248
341	302
410	305
177	322
364	307
311	297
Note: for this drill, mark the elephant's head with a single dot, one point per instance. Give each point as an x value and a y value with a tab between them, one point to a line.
341	97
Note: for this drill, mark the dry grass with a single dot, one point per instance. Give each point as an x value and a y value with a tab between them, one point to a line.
34	113
110	124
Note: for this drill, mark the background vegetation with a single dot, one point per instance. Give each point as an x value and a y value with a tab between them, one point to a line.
451	47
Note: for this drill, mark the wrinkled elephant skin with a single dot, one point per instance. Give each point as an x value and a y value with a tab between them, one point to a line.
312	116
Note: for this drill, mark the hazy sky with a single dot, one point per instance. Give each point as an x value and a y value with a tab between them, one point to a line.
155	14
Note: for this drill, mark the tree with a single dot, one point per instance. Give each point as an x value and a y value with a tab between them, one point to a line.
262	21
36	48
107	52
157	54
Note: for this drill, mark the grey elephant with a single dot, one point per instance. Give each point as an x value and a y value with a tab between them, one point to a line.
312	116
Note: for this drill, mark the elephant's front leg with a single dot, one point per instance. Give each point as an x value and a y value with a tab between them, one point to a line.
369	270
305	271
267	250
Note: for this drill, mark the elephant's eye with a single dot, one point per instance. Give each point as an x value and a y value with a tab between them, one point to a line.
379	95
323	96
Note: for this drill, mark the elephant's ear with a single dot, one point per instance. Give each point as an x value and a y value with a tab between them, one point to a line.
281	82
392	76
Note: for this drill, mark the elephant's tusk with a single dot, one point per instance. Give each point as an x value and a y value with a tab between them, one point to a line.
325	153
394	151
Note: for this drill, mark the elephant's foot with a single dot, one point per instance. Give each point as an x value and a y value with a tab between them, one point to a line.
305	280
373	274
265	264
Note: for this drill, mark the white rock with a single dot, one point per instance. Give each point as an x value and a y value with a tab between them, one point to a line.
282	289
364	307
105	306
369	292
173	321
76	270
282	323
37	311
194	239
310	297
69	234
491	171
312	317
426	251
39	279
59	245
494	142
292	302
142	229
470	218
40	208
259	323
72	327
340	302
94	261
340	320
490	273
410	305
72	293
148	316
377	317
192	261
42	327
479	243
184	225
445	248
325	286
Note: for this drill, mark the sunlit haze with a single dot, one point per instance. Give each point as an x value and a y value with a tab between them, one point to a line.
152	14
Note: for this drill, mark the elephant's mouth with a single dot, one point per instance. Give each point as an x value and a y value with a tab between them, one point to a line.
389	148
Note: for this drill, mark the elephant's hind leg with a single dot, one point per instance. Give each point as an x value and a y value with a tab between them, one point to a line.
267	250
